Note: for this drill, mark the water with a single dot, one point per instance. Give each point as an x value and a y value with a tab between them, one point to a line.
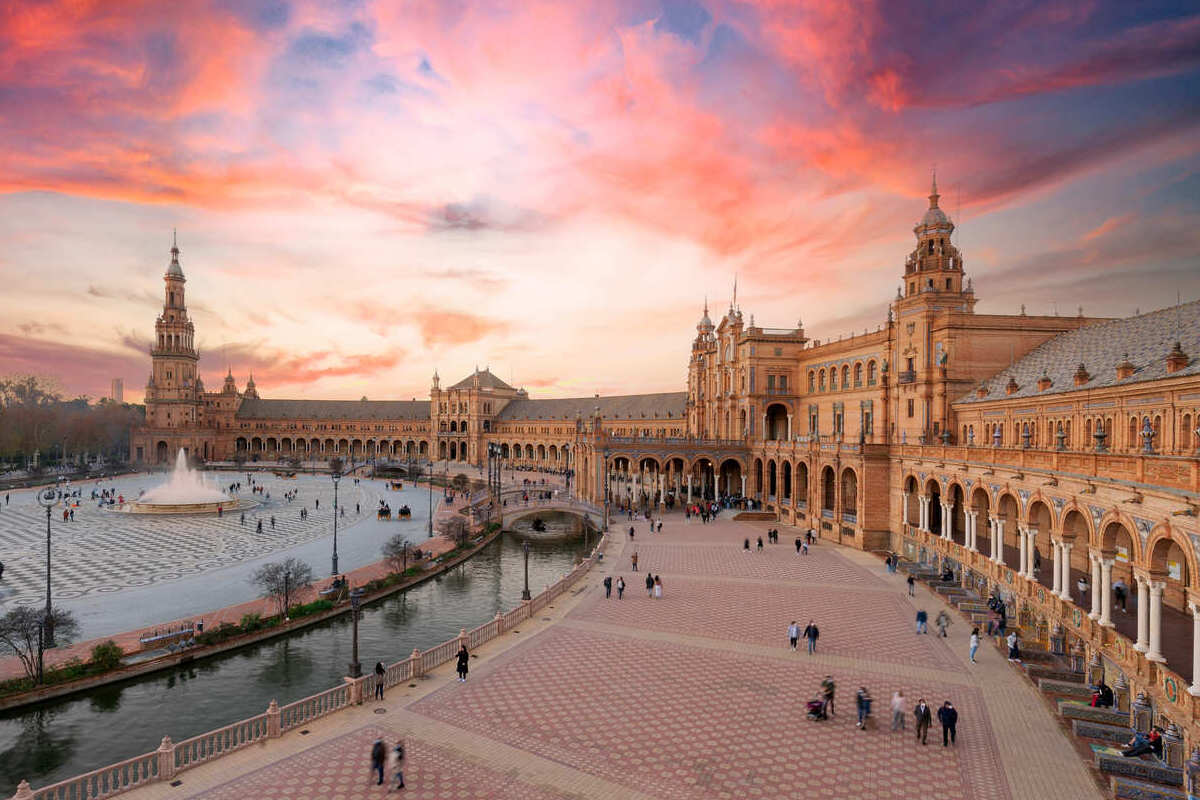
64	738
183	486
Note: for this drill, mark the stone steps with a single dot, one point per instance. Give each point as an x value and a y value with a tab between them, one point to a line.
1109	760
1071	710
1065	689
1101	732
1053	672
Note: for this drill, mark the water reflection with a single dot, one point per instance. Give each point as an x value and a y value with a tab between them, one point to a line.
67	737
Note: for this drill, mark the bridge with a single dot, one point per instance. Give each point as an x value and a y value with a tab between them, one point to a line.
515	507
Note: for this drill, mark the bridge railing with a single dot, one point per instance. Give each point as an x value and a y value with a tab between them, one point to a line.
171	758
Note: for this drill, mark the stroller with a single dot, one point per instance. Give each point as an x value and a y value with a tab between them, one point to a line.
816	710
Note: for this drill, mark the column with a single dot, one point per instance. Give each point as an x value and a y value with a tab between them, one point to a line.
690	488
998	541
973	531
661	494
1023	545
924	501
1030	549
1065	578
1154	653
947	522
743	486
1056	588
904	509
1094	561
1104	592
789	427
1194	689
1143	614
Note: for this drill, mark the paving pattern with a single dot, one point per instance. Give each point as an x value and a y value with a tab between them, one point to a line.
104	551
695	695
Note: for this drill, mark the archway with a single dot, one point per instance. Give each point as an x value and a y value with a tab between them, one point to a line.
777	415
731	477
441	451
1041	521
802	484
161	453
957	524
1170	564
849	495
980	504
757	489
912	501
934	490
828	492
772	482
1007	512
786	482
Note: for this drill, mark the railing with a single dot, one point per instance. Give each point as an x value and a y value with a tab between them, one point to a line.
906	376
171	758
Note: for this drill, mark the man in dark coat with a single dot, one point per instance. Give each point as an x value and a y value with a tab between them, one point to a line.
924	718
378	757
812	633
948	717
607	586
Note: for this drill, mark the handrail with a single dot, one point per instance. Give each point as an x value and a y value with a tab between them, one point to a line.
171	758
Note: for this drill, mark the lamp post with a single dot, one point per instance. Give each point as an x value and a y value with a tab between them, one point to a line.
48	499
431	498
337	476
525	595
607	489
355	599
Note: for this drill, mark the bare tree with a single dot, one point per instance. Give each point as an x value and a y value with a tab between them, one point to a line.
414	472
461	482
455	528
279	580
395	553
336	464
19	630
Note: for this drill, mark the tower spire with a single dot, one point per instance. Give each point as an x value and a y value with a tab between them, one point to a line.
933	192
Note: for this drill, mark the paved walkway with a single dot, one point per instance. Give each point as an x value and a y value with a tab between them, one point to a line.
694	695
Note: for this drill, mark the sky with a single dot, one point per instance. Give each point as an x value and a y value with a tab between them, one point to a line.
366	192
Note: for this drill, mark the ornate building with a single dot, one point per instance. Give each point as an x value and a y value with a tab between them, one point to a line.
1022	451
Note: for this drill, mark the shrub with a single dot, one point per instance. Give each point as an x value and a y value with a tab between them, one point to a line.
251	622
107	656
304	609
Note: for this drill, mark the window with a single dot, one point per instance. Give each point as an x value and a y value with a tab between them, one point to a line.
822	380
947	284
912	288
770	383
812	381
845	377
910	366
783	383
833	379
857	375
910	408
870	373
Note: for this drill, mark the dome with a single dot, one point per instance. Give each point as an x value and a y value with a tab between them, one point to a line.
935	217
174	270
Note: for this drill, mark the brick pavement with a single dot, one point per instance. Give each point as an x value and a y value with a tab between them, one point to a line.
647	700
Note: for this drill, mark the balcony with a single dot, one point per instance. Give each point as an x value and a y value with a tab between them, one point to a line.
907	376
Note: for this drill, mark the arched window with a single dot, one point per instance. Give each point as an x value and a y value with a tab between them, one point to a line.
833	384
821	380
1132	442
845	376
857	375
812	381
870	373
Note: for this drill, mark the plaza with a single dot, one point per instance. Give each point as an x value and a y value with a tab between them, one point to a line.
693	695
119	572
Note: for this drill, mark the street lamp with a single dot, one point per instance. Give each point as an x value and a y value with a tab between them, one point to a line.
48	499
337	476
355	599
525	595
431	499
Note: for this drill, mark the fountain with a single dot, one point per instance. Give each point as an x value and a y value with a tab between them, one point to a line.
185	492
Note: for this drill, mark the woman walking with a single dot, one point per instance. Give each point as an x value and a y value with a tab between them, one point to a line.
974	643
464	659
657	588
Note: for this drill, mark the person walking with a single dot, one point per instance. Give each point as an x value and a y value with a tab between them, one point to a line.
1014	647
924	718
862	702
974	646
649	585
922	620
793	635
812	633
380	674
657	587
631	533
378	756
828	687
942	621
464	660
799	541
948	717
660	526
398	764
760	544
607	587
898	710
912	586
620	587
633	560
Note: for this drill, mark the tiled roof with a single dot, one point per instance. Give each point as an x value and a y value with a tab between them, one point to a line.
334	409
486	381
1147	339
631	406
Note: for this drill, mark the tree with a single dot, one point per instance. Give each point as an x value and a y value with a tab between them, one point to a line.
336	464
461	482
414	472
395	553
279	580
19	630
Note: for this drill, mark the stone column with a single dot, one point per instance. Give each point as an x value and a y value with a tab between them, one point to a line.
1143	613
998	540
973	531
789	436
904	509
690	488
947	522
1023	545
1194	689
743	486
1154	653
1055	546
1104	592
1094	561
924	500
1065	577
1030	549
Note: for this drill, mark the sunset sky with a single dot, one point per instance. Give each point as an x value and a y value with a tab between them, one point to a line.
367	191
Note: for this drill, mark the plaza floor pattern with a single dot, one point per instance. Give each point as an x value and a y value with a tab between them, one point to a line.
695	695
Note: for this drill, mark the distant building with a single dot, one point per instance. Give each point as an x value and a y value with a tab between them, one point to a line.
117	395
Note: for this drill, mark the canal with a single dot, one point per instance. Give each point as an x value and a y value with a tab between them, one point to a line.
63	738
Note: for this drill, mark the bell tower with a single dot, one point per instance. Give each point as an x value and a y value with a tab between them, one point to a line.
173	391
936	265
